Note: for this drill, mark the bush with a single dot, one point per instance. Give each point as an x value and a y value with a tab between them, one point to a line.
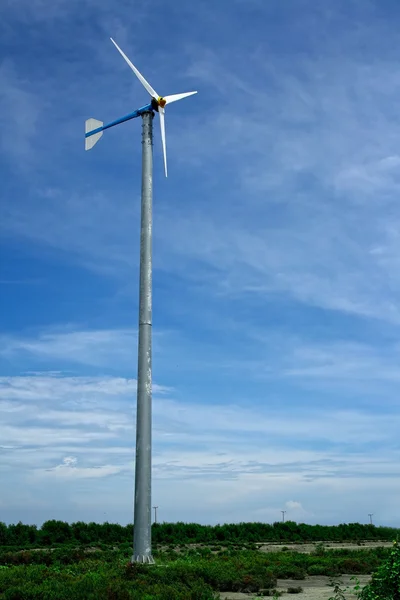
319	549
318	569
290	571
385	583
295	590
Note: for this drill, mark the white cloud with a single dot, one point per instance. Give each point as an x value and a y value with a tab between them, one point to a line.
36	436
68	469
293	505
89	347
69	461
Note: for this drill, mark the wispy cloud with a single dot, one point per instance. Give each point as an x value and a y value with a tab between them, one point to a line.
91	347
84	429
68	469
311	248
19	110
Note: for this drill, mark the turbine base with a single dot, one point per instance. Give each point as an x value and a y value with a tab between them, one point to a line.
143	559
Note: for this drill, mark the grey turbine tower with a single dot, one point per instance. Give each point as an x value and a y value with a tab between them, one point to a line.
93	132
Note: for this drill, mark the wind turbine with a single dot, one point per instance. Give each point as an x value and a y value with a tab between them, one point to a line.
94	128
93	132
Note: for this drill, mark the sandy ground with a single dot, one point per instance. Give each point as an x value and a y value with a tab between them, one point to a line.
307	548
314	588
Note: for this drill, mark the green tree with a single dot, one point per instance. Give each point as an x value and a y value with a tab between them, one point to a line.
55	532
4	535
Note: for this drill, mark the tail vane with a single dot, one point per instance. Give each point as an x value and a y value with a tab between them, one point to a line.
92	136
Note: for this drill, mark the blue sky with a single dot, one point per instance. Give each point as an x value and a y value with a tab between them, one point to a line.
276	260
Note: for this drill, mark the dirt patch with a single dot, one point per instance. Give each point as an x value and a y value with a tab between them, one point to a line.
308	548
305	548
314	588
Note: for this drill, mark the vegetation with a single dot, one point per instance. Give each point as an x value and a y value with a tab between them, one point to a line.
77	573
90	561
58	532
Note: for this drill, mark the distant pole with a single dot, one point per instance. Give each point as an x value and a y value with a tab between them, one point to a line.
370	517
283	515
142	509
155	513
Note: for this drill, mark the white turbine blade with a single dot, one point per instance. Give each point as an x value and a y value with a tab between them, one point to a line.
161	112
175	97
142	80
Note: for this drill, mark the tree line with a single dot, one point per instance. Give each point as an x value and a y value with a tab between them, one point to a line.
59	532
